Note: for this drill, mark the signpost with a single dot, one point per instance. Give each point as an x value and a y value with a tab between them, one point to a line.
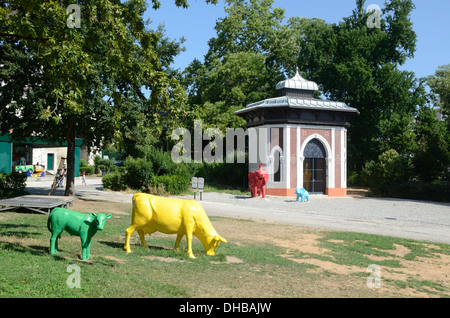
197	183
194	182
201	183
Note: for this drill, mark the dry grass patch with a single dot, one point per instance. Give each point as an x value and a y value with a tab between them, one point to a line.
429	274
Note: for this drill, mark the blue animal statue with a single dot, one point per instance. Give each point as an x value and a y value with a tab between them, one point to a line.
301	192
83	225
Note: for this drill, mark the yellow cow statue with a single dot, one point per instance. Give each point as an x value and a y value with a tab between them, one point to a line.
172	216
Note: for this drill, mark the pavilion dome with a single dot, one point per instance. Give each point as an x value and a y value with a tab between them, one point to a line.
298	82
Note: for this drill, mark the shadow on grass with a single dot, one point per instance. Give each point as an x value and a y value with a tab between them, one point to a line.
16	247
119	245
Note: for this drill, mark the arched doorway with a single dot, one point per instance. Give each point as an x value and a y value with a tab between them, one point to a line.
314	167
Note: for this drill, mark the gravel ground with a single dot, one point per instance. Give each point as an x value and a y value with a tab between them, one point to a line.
420	220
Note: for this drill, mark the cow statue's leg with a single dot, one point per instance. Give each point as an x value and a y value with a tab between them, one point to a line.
54	241
177	242
88	248
84	245
263	191
254	191
189	245
189	230
142	237
128	233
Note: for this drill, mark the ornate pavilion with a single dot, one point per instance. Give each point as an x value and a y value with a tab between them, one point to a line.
304	143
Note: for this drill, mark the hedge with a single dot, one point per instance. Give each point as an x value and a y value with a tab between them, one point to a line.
438	191
12	184
114	181
169	183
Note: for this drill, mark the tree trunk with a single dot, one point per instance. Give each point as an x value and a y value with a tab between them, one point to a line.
70	177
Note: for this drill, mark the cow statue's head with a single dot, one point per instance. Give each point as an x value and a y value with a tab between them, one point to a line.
211	241
99	219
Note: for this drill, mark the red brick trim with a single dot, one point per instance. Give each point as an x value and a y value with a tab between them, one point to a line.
336	192
281	192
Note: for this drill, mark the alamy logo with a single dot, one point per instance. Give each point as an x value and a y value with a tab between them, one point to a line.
74	18
374	19
74	279
374	280
214	150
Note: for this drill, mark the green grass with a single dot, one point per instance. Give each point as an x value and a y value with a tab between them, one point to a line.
28	270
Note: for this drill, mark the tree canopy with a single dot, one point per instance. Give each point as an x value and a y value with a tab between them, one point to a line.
60	82
239	67
360	66
439	83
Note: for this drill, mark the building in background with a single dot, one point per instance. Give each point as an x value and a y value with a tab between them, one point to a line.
303	139
33	152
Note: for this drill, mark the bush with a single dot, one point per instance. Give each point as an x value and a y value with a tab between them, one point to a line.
13	181
355	179
391	176
391	169
88	170
162	162
169	184
233	175
12	184
156	173
138	172
101	164
84	167
115	168
418	190
114	181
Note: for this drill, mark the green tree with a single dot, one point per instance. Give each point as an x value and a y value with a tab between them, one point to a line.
250	26
440	87
432	157
359	66
287	43
239	67
233	82
59	83
397	132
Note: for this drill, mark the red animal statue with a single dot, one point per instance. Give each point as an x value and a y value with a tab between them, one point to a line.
257	180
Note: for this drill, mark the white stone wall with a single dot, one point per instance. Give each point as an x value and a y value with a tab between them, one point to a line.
40	156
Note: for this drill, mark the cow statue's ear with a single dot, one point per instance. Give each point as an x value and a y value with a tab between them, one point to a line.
94	214
220	239
109	216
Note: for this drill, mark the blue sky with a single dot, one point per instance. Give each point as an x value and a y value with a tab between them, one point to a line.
431	22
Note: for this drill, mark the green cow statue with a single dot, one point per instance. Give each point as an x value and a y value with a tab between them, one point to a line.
75	223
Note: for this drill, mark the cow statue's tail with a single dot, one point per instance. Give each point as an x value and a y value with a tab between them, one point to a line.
49	222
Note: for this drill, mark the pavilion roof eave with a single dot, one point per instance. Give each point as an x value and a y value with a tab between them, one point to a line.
283	102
